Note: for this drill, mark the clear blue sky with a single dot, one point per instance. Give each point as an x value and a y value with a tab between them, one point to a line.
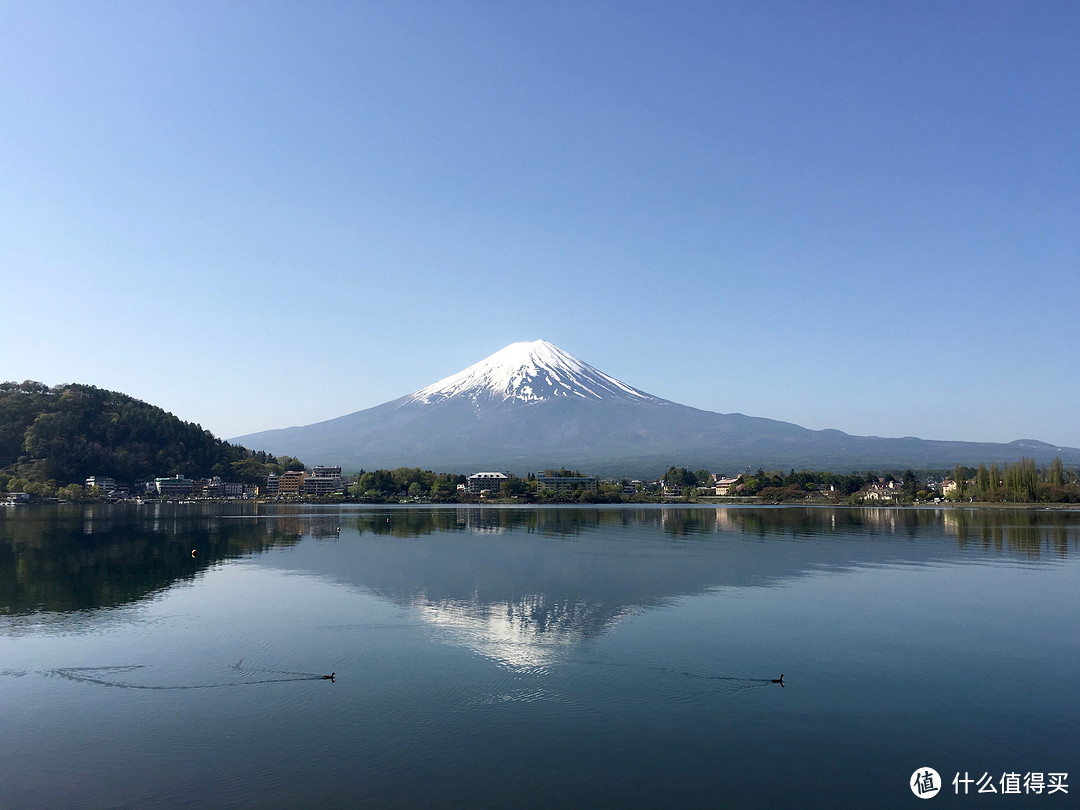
855	215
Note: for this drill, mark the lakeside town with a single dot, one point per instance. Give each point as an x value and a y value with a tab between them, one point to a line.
1018	483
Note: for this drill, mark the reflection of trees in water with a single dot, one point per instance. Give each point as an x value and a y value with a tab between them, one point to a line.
795	522
420	521
1028	532
1031	532
82	558
477	520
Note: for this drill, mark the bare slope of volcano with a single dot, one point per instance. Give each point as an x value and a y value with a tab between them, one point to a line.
532	406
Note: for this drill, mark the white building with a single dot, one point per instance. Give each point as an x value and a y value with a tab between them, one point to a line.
177	486
323	481
724	486
105	485
486	482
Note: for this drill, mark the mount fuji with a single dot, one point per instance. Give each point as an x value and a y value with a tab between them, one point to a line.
532	406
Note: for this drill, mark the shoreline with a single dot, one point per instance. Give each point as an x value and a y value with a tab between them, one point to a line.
500	502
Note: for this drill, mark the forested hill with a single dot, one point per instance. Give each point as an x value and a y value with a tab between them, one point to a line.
67	433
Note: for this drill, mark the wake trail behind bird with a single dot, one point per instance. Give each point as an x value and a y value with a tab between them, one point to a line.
728	683
112	676
709	676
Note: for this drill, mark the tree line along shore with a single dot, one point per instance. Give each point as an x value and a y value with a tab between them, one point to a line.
1020	483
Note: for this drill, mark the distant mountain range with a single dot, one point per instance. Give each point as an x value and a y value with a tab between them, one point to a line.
532	406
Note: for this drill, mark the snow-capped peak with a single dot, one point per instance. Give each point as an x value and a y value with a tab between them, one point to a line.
530	371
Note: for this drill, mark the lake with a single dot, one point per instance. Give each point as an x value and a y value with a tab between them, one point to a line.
536	657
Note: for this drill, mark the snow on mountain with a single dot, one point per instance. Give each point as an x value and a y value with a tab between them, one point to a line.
530	371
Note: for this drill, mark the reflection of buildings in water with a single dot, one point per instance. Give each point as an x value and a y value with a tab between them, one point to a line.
697	520
480	521
566	522
680	521
670	518
553	522
323	528
724	520
884	520
951	520
529	631
157	518
318	527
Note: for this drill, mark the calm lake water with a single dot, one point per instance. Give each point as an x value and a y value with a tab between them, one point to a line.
534	657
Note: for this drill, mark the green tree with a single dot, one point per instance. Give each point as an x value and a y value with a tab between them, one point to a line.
1055	476
514	487
679	477
995	480
1022	480
958	477
909	483
73	492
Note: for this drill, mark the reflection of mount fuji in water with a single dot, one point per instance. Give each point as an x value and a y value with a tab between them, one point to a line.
527	586
521	586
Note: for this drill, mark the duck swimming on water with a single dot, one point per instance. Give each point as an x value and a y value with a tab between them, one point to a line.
779	680
329	677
